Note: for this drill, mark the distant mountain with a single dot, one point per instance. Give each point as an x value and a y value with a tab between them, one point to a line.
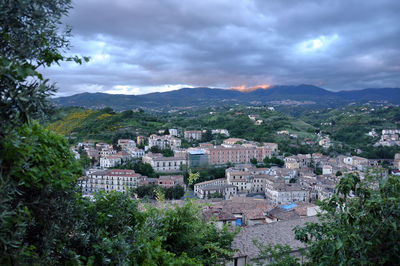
202	97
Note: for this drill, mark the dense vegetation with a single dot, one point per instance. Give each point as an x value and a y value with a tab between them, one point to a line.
43	219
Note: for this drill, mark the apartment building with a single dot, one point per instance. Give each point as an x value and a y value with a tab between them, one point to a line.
165	141
191	135
240	153
109	180
164	164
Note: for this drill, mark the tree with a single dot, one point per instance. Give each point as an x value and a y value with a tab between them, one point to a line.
338	173
30	38
359	230
38	176
207	136
253	161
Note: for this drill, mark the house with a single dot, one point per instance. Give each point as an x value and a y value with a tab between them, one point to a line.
110	161
191	135
167	181
232	141
173	132
220	131
164	142
220	216
140	140
327	170
124	143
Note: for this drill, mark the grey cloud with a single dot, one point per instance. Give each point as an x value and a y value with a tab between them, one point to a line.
350	44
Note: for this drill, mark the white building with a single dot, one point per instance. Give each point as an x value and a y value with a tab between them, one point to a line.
109	161
163	142
192	135
173	132
327	170
164	164
282	193
220	131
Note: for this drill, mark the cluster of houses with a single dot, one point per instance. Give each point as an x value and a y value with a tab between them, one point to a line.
296	182
389	138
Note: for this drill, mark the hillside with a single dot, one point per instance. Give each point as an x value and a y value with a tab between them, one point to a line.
301	95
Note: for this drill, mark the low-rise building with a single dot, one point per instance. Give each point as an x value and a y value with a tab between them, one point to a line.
110	161
282	193
191	135
164	164
165	141
168	181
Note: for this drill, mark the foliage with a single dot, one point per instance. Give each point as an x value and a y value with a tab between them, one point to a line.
193	177
275	255
140	167
165	152
30	38
359	230
273	160
38	175
215	195
149	192
253	161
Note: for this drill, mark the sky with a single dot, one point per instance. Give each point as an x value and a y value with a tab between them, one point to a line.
143	46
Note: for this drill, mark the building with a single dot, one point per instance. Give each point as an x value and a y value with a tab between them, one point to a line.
109	180
140	140
220	186
197	158
232	141
164	164
220	131
164	142
272	234
110	161
327	170
191	135
240	153
283	193
124	143
173	132
168	181
396	163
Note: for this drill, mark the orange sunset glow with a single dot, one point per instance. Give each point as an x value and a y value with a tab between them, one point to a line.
244	88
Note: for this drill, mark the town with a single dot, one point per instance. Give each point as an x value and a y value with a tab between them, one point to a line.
260	186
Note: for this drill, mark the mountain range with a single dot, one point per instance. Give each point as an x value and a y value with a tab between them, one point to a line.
208	97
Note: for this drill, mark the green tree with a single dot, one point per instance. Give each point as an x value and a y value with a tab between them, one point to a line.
30	38
253	161
359	224
38	176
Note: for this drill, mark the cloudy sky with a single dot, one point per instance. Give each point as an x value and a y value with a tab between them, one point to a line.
141	46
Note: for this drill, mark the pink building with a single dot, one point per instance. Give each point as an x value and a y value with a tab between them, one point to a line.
240	153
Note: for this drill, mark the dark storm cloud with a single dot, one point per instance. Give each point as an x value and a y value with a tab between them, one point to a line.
139	46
